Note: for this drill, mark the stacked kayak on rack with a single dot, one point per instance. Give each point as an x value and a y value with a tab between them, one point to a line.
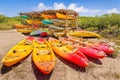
23	28
35	21
62	16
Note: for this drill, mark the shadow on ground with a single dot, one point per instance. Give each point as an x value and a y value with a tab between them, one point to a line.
96	61
6	69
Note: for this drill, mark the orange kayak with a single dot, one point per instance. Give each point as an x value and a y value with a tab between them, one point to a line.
68	52
48	16
18	26
43	56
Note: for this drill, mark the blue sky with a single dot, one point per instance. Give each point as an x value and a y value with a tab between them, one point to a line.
83	7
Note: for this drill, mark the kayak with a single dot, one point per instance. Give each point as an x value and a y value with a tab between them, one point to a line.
97	45
43	56
18	26
18	52
24	16
24	30
59	34
84	34
56	28
44	34
48	16
39	32
35	32
35	21
68	52
104	47
89	51
62	16
58	21
47	22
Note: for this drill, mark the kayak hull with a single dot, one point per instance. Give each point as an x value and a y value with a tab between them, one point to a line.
84	34
18	52
43	56
66	53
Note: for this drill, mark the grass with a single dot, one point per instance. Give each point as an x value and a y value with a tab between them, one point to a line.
116	53
116	47
110	74
116	75
8	25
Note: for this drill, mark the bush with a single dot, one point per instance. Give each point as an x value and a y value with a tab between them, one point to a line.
7	23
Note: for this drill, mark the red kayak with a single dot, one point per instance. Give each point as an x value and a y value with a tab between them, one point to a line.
92	52
89	51
43	34
104	47
68	52
97	45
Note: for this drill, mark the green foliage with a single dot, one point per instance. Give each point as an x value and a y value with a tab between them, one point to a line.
7	23
107	24
2	18
16	18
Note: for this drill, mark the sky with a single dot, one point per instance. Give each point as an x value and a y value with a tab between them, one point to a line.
83	7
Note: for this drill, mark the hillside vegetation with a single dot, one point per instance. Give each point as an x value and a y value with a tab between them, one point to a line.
7	23
107	24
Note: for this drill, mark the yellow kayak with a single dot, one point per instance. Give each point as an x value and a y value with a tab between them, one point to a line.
18	52
24	30
33	22
59	34
43	56
62	16
84	34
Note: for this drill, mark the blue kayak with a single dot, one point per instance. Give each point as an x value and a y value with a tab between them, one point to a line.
47	22
35	32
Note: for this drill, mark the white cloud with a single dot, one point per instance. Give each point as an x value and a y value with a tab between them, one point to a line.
41	6
74	7
114	10
80	9
95	11
59	6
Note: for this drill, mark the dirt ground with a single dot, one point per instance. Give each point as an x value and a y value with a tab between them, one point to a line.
102	69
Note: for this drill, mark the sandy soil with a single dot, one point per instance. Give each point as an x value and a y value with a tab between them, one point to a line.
103	69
